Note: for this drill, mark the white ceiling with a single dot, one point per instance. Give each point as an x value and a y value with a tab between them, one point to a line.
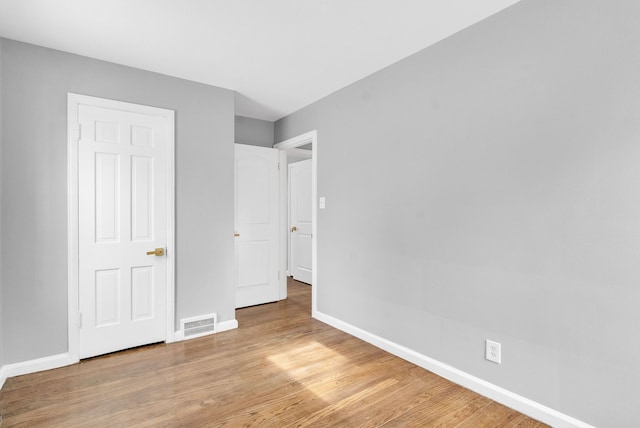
278	55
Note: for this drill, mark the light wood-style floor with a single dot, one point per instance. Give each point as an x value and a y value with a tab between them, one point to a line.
281	368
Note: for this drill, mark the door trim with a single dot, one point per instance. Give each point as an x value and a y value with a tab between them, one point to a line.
301	140
73	134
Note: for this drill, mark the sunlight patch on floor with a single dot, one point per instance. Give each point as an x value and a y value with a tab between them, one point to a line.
304	361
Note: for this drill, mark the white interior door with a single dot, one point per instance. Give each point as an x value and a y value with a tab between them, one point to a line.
122	215
256	225
300	209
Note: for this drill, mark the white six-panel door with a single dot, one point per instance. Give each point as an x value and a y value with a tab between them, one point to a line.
122	215
300	209
256	225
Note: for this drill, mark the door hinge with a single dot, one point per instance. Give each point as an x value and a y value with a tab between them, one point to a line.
278	166
79	130
79	319
278	275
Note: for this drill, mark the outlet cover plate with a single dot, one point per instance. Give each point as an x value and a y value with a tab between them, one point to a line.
493	351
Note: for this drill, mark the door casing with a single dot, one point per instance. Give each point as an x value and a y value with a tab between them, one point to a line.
73	130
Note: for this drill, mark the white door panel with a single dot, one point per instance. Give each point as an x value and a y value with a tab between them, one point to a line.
256	222
122	194
301	220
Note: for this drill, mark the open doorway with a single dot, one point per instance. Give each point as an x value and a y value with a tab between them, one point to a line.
295	149
300	221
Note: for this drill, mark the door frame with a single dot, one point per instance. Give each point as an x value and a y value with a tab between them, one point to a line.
292	143
74	101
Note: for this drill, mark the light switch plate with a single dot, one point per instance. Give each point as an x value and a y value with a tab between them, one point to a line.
322	202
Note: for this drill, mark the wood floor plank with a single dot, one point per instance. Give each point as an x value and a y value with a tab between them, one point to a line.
280	368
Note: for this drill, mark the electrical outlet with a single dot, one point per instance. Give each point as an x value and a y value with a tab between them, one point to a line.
493	351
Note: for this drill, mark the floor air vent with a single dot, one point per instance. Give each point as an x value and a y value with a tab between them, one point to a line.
198	326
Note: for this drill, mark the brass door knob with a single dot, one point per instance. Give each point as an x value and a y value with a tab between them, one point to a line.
157	252
293	229
236	234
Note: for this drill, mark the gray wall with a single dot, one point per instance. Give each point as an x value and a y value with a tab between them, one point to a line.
496	195
253	132
35	82
2	310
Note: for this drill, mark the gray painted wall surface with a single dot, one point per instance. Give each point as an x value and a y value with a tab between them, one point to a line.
35	83
253	132
2	310
496	194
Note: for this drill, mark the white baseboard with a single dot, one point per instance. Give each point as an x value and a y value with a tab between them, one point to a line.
3	376
517	402
227	325
37	365
178	336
